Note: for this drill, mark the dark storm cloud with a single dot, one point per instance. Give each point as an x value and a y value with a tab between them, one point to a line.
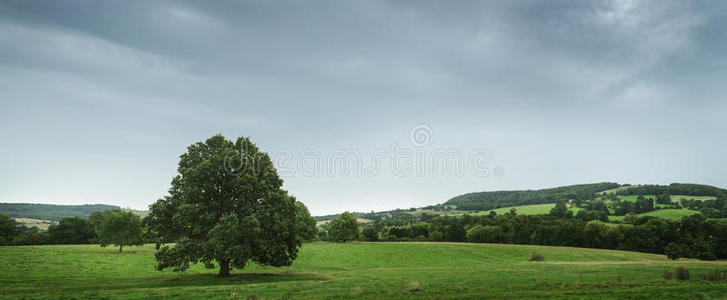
550	87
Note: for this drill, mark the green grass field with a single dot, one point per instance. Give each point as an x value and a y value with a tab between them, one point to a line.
677	198
632	198
674	198
609	191
535	209
358	270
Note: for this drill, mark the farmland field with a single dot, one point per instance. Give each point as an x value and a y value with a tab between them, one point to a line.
41	224
358	270
535	209
609	191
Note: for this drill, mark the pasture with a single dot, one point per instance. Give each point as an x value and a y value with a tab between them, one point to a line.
359	270
535	209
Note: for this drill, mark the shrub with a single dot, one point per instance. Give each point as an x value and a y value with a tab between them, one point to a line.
682	273
713	276
536	257
667	275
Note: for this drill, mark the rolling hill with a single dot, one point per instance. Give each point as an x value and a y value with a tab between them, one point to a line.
50	211
498	199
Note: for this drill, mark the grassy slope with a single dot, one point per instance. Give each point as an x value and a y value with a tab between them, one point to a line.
535	209
610	191
50	211
674	198
362	270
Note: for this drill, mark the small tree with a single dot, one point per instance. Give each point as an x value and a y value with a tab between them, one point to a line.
664	198
559	210
119	228
477	234
455	233
369	233
675	251
306	224
8	230
345	228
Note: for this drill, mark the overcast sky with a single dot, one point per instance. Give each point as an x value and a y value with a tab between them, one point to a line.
99	98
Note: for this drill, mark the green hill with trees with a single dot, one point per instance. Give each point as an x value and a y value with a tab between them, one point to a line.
498	199
51	211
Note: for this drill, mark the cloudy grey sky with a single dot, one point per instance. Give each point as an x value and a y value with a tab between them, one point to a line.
99	98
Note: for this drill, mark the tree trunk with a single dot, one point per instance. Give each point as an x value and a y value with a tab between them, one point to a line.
224	268
120	247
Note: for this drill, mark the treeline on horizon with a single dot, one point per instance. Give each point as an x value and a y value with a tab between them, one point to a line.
581	192
52	212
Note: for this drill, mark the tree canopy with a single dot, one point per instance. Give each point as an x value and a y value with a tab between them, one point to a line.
344	228
8	229
226	206
118	227
306	224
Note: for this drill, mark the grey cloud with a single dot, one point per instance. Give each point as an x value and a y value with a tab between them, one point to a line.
546	85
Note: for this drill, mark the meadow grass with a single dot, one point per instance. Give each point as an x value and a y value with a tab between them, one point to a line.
674	198
535	209
609	191
358	270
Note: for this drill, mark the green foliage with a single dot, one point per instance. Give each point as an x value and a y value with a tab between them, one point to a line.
715	275
71	230
345	228
455	233
8	230
664	198
486	234
675	250
492	200
369	233
536	257
227	206
118	227
50	211
643	205
560	210
436	236
306	224
682	273
677	189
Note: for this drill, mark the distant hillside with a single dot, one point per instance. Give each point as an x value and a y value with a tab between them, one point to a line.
50	211
675	189
492	200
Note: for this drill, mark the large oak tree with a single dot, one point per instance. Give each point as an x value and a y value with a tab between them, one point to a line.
225	207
